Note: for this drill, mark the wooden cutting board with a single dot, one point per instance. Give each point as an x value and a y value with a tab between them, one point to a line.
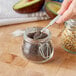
13	63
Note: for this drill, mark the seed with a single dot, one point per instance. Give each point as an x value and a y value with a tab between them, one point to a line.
69	40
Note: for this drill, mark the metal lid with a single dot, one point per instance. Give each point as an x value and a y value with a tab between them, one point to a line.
71	24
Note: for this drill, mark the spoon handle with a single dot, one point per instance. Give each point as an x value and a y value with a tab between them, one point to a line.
51	22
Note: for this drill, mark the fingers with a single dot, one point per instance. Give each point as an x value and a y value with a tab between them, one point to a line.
67	15
64	6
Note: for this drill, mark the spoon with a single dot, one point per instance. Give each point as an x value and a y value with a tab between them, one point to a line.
39	33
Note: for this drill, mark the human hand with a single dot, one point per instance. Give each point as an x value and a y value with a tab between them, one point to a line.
67	11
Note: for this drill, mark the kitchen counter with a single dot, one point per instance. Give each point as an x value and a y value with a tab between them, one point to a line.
13	63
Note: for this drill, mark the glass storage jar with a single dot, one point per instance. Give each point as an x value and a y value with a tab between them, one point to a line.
69	36
40	50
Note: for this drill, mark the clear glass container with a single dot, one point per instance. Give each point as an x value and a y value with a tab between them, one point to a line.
40	50
69	36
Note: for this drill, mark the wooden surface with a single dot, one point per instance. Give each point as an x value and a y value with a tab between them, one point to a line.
13	63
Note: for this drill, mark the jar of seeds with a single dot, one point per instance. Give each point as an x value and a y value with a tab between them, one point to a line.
69	36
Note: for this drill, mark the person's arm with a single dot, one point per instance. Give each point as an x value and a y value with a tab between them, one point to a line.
68	11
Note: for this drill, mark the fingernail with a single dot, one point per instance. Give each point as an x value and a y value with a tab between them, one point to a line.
58	11
59	21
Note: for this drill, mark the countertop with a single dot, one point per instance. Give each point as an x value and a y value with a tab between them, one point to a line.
13	63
